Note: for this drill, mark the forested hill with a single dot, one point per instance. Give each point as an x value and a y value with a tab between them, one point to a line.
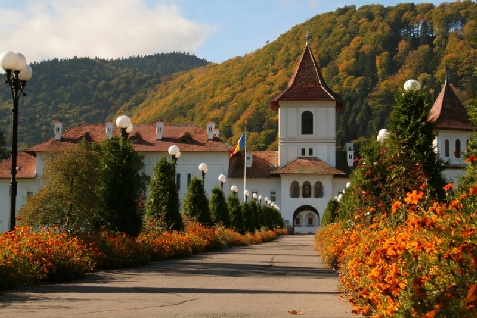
365	54
85	90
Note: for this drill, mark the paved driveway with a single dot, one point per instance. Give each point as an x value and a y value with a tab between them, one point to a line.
265	280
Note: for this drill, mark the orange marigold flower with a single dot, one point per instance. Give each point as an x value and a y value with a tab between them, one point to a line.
396	206
414	197
473	190
470	158
448	186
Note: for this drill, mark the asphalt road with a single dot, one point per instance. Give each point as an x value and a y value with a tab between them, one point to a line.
265	280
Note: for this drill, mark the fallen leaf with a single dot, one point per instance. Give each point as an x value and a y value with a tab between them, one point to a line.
295	312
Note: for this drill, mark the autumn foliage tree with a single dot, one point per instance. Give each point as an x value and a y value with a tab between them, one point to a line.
67	196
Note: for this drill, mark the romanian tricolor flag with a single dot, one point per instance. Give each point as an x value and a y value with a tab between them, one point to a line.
240	145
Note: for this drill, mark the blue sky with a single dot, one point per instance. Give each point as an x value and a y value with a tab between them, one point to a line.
216	30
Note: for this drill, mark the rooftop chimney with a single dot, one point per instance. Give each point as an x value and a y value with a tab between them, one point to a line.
109	130
210	130
159	130
58	130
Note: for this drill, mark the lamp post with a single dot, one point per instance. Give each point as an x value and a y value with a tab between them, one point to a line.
234	189
124	122
246	193
18	73
260	200
203	169
175	153
222	180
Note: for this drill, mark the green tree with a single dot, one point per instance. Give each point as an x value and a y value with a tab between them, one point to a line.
409	126
235	211
67	196
248	217
122	187
163	201
219	211
255	212
330	212
196	205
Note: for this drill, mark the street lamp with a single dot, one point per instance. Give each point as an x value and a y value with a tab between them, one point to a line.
260	199
124	122
246	193
222	180
234	189
203	169
175	153
18	73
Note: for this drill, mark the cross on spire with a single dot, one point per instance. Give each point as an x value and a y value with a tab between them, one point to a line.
307	37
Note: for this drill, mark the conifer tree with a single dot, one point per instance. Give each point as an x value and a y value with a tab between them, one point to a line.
408	125
196	205
235	211
163	201
122	184
255	212
248	217
218	207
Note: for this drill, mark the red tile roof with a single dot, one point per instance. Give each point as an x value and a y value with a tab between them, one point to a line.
308	165
26	167
263	162
448	112
307	84
189	138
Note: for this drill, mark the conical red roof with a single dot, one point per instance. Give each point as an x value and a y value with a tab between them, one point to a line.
448	112
307	84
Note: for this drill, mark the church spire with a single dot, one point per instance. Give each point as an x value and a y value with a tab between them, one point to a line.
307	38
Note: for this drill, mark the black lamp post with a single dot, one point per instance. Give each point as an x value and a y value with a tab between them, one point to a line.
18	73
260	200
234	189
203	169
124	122
175	153
246	194
222	180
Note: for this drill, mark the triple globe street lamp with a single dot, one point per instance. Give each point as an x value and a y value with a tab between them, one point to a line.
18	72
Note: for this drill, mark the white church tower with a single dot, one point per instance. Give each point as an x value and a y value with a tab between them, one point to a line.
453	130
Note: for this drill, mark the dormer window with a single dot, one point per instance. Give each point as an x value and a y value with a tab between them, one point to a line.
307	123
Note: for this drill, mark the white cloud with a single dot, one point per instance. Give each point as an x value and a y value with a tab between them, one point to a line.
102	28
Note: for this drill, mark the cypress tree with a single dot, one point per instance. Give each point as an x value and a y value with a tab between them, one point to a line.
218	207
163	201
248	217
121	186
408	125
196	205
235	211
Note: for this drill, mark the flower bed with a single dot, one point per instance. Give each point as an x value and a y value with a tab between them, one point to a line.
424	266
31	257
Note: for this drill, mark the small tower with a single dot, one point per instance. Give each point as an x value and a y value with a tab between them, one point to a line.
109	130
210	130
58	130
159	130
350	153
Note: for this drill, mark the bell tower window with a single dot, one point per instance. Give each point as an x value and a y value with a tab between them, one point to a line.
307	123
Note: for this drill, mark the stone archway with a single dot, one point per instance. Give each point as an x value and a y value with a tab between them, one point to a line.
306	219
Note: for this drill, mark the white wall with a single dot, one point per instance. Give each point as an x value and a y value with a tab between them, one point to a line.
323	139
23	187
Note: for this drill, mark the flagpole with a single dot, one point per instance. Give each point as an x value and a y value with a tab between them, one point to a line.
245	165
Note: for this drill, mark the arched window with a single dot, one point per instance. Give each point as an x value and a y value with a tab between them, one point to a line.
307	123
295	189
457	148
446	148
318	189
306	191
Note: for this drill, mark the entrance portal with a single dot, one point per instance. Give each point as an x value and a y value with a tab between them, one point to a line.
306	219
